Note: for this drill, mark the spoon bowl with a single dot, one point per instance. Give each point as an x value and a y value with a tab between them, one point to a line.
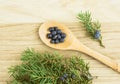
44	30
71	43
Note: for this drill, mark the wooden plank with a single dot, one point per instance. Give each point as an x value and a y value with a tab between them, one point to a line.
14	38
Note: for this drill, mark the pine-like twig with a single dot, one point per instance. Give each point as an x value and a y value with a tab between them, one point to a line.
93	28
50	68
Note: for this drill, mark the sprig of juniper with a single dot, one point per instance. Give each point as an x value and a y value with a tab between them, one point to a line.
50	68
93	28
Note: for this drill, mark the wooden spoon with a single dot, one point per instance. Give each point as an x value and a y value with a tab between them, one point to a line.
71	43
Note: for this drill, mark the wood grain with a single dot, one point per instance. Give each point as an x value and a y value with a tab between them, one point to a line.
14	38
21	11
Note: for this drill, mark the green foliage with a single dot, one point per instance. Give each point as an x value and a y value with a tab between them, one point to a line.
91	27
50	68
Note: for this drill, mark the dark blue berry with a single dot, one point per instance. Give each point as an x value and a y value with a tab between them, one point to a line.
59	31
97	34
56	41
62	78
49	35
65	75
54	37
52	41
97	31
63	35
53	32
61	40
51	29
59	36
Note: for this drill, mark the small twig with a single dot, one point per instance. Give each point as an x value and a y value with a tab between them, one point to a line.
93	28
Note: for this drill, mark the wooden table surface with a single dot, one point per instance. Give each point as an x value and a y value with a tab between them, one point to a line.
19	22
17	11
14	38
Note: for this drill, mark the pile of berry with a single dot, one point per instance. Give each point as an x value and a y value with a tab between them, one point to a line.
66	76
56	35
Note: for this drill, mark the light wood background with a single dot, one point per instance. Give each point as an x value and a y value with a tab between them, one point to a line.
17	11
20	19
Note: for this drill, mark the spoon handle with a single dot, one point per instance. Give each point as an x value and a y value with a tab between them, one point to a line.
104	59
